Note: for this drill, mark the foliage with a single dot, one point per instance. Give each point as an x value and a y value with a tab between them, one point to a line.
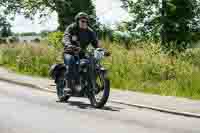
105	32
179	13
44	33
66	9
145	17
27	34
120	36
5	27
123	38
55	39
174	19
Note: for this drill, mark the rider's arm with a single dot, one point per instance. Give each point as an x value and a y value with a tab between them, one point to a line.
67	37
94	40
98	44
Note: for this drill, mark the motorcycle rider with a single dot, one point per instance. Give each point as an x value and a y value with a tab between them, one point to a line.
77	34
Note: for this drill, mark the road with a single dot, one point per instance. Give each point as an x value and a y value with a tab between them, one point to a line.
25	110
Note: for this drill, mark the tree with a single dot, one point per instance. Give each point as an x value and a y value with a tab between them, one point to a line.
179	14
66	9
105	32
145	17
5	27
174	19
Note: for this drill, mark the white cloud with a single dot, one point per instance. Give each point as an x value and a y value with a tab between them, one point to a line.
20	24
109	12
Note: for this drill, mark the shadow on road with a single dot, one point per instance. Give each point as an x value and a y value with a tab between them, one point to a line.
83	105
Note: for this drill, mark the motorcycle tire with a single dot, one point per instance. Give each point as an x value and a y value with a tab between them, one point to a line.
100	103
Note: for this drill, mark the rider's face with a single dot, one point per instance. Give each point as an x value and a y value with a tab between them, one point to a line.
83	23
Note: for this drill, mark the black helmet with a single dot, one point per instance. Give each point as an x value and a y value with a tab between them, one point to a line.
81	15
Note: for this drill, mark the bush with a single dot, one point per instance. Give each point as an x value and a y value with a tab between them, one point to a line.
122	38
105	33
37	40
3	41
55	39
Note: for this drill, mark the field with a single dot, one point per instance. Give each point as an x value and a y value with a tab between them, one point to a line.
142	68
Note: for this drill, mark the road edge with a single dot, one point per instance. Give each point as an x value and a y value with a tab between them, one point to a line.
26	85
186	114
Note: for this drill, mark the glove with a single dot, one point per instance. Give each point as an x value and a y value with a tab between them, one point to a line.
107	53
71	49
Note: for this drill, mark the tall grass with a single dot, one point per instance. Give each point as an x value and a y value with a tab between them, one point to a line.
33	59
142	68
146	69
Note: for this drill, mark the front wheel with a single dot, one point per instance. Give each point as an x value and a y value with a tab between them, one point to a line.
100	94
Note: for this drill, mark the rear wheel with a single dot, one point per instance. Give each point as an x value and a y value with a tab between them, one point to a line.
99	96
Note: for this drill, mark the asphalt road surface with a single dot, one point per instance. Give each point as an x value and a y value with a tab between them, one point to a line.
25	110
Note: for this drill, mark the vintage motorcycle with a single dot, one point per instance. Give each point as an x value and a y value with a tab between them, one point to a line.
93	77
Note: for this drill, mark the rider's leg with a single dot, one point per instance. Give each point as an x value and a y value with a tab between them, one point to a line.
59	87
76	70
69	61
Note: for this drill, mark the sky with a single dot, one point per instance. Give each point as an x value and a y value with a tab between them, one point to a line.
108	11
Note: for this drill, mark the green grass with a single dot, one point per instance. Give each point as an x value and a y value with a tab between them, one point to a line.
142	69
34	59
145	69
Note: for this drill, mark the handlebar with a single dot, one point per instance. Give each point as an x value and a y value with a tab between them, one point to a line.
76	50
106	52
72	49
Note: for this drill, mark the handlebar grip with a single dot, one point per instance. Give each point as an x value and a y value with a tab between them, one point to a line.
107	53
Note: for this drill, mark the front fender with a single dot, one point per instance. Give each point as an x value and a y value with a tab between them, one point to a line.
103	71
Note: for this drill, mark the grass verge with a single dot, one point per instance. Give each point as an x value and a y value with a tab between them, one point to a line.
143	69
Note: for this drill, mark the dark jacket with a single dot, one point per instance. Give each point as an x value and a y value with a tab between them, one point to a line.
75	36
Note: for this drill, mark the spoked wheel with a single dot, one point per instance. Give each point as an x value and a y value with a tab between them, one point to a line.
100	94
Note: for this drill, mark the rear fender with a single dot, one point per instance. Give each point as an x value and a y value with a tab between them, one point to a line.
57	70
